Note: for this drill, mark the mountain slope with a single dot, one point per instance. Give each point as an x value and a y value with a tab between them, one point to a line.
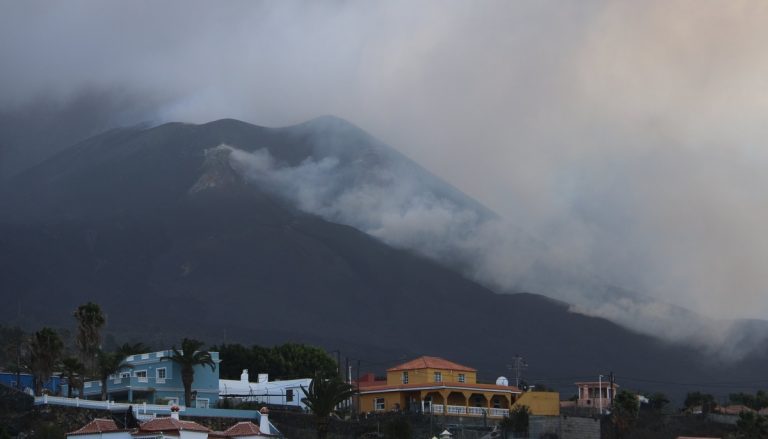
157	225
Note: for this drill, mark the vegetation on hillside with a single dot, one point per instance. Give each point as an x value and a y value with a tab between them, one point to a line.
286	361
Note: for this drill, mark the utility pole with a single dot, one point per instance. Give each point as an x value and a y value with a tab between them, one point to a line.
357	406
518	364
611	394
348	372
600	392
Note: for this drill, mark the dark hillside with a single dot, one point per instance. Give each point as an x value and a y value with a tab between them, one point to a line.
156	226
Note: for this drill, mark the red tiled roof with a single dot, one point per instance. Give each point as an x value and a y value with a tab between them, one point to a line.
431	363
606	383
97	426
170	424
439	386
734	409
243	429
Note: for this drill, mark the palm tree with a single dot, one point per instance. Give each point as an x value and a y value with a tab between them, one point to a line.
90	320
187	358
131	349
46	350
73	371
322	398
107	363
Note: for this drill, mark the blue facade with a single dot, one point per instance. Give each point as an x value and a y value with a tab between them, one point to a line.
155	379
27	381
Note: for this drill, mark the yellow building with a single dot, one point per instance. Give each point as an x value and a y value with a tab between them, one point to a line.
432	384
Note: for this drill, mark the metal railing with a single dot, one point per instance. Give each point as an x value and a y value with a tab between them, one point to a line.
142	408
500	413
470	411
477	411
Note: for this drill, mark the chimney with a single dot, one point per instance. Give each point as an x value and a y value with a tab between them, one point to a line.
244	376
263	378
175	415
264	421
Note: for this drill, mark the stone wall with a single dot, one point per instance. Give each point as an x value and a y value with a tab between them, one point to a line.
563	427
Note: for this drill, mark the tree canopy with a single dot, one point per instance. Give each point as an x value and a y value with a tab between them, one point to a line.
698	399
287	361
322	397
90	320
187	358
752	426
46	349
624	412
757	401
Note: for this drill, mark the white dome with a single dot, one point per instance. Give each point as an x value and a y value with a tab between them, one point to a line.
502	381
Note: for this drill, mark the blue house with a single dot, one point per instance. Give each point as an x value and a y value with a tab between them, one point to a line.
155	379
27	381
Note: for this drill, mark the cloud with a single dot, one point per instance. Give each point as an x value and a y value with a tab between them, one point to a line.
627	136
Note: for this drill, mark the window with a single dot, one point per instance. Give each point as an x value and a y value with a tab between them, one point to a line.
201	403
462	378
125	374
405	377
438	377
160	375
288	395
378	404
141	375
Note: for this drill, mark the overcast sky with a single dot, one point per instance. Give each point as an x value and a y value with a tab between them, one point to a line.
628	134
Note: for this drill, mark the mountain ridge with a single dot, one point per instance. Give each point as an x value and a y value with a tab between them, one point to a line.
116	223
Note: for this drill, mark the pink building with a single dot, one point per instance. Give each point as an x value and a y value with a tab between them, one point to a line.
596	394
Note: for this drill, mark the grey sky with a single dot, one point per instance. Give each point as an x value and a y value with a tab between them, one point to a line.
629	135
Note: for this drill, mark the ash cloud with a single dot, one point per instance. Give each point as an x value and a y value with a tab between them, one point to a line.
627	137
390	202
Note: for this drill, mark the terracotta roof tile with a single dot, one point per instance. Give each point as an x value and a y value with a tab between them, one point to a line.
734	409
431	363
243	429
170	424
97	426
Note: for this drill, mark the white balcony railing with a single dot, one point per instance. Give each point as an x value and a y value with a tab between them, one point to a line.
477	411
470	411
142	408
499	413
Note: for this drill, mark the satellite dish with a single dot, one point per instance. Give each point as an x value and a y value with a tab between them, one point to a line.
502	381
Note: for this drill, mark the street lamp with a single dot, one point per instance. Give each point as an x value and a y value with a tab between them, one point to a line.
600	392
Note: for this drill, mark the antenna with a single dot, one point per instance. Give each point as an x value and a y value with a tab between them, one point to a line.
518	364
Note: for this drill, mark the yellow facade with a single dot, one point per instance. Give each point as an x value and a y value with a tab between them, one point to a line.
404	399
441	387
424	376
540	403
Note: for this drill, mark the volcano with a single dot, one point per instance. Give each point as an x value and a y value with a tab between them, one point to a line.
175	237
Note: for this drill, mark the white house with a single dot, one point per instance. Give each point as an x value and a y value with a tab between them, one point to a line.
287	392
174	428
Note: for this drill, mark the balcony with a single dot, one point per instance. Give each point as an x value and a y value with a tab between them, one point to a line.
117	384
458	410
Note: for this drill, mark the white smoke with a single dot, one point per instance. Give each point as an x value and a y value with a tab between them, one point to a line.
392	205
629	136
